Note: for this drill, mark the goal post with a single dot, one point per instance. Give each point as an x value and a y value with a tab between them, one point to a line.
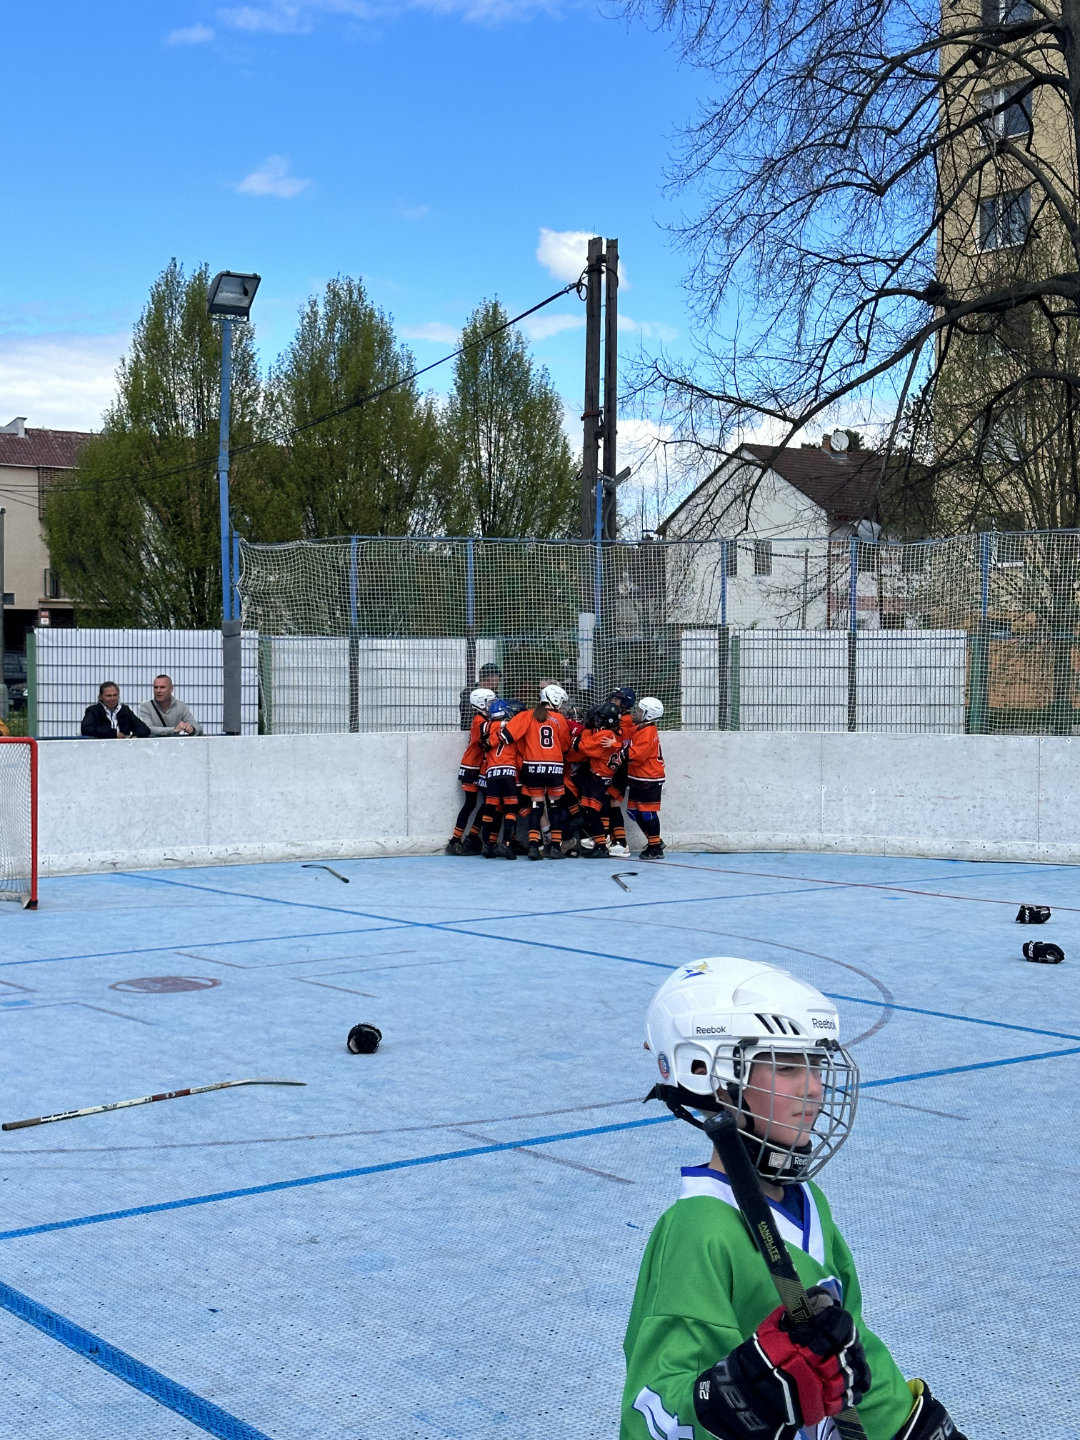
18	820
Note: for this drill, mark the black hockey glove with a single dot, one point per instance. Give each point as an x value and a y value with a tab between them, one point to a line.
785	1376
929	1420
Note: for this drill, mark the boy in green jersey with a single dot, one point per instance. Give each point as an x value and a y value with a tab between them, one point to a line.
708	1351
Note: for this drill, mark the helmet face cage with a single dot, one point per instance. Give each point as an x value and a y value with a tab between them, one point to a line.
554	695
481	698
797	1106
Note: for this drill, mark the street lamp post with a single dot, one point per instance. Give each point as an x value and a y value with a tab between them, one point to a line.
229	300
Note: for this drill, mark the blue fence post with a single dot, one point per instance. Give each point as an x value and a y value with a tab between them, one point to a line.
354	633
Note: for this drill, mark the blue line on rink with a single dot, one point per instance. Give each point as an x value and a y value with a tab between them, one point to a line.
209	944
204	1413
945	1015
474	1150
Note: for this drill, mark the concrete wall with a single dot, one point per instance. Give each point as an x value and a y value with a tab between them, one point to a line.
206	801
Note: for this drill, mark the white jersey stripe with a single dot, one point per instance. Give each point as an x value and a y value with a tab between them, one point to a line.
696	1180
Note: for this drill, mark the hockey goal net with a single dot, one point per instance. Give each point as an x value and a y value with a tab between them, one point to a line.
18	820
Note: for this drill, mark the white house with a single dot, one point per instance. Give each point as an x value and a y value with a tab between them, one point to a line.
767	540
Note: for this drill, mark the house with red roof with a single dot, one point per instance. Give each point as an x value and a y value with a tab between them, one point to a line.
772	535
30	461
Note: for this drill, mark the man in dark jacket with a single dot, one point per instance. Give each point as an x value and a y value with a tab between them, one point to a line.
109	720
488	677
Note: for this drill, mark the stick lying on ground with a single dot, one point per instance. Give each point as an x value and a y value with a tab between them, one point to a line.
338	873
617	877
143	1100
723	1131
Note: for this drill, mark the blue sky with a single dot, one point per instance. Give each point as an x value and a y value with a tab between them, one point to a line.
425	145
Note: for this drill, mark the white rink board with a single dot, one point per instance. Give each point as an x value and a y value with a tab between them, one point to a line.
274	797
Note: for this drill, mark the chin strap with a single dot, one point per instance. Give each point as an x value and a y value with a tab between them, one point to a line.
676	1099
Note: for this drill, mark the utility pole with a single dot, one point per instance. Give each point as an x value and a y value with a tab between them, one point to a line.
590	450
611	386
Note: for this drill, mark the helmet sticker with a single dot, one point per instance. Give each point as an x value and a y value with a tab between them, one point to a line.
701	968
665	1067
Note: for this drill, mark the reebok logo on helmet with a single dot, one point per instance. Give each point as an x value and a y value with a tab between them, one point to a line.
710	1030
822	1024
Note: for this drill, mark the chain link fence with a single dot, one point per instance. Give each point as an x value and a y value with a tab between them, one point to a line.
974	633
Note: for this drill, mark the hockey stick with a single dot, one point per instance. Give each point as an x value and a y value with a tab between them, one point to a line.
723	1131
143	1100
336	873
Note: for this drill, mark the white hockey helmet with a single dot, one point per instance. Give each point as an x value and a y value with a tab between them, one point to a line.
650	708
714	1019
481	698
554	695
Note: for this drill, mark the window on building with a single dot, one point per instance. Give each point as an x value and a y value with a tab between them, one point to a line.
732	558
1005	12
50	589
1004	219
1005	117
762	557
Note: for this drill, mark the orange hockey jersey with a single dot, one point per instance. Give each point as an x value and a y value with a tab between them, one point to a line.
646	757
602	749
474	750
540	742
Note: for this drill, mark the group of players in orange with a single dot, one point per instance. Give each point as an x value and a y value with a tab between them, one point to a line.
520	760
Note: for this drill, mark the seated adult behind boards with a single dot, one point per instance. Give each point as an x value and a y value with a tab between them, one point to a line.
164	714
109	720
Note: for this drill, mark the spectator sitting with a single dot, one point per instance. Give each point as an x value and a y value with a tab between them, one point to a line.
488	678
164	714
109	720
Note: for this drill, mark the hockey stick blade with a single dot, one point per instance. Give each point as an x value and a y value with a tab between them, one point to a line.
337	873
142	1100
617	877
723	1131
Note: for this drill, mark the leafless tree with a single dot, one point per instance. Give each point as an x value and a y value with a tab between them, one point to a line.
885	192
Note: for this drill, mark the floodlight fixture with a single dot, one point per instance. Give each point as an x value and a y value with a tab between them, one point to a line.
231	294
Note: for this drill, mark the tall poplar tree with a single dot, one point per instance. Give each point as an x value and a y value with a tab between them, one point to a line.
134	532
508	469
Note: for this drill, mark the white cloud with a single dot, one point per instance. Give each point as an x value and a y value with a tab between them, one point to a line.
272	178
190	35
433	330
564	254
291	17
647	329
542	327
59	381
274	19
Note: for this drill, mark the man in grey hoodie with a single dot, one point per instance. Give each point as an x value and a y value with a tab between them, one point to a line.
164	714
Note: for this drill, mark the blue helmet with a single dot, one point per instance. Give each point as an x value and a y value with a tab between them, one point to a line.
624	697
499	710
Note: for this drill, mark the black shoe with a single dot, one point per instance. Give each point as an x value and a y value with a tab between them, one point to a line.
454	848
534	852
652	852
488	852
598	852
471	845
517	847
504	852
555	852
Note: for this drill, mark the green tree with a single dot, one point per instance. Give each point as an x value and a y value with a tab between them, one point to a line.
134	532
371	470
508	469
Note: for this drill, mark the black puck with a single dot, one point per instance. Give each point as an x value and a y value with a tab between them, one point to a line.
364	1039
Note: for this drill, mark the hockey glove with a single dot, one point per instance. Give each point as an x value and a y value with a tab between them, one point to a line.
785	1376
929	1420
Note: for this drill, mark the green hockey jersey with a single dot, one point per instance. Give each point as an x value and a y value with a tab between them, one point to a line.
704	1288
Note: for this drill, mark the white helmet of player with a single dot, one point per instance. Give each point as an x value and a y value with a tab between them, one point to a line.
730	1033
554	695
481	698
650	708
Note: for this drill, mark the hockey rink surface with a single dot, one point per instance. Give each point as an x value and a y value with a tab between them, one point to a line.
441	1239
